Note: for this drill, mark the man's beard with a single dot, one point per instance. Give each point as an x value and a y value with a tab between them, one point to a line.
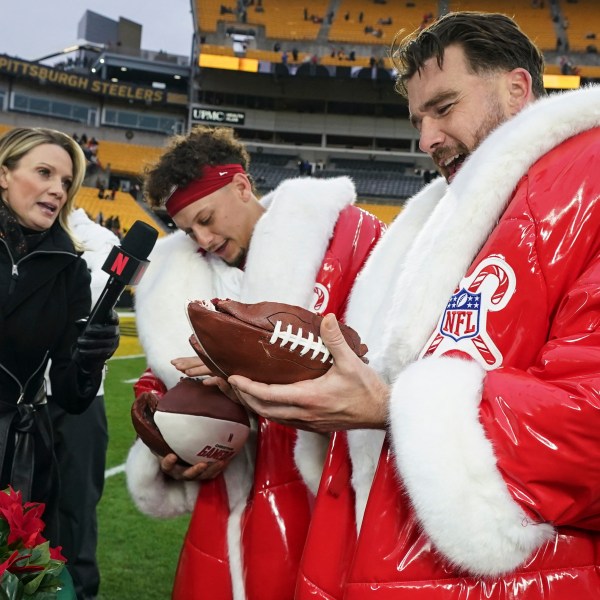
240	260
495	117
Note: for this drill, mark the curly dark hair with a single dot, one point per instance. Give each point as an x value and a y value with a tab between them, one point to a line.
491	42
187	155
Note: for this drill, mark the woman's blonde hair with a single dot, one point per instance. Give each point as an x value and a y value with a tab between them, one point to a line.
17	142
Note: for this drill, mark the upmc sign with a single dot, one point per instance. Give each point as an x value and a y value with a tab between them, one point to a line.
209	115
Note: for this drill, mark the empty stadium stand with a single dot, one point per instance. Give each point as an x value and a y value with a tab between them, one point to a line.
380	22
129	159
354	114
582	22
281	20
123	206
373	179
535	21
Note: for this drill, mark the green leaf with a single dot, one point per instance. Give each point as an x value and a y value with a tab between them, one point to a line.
11	587
51	584
40	555
4	531
33	584
54	568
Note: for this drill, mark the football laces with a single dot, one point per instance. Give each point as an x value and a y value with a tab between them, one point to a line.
308	343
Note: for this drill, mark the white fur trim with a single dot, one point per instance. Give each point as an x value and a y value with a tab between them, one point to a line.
310	451
449	469
384	267
365	447
176	274
239	477
299	222
153	493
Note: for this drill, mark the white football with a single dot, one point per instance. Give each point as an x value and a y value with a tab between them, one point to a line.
196	422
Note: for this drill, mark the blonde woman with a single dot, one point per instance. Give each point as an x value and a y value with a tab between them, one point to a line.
44	300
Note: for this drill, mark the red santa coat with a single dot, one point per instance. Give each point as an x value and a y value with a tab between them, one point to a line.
248	527
489	483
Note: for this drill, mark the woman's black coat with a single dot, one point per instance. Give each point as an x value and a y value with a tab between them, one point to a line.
42	297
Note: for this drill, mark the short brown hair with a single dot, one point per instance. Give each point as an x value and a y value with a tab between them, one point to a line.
491	42
187	155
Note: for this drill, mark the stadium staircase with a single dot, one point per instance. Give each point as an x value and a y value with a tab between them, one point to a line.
323	36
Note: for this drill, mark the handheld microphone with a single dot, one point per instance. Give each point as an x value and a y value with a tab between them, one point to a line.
125	264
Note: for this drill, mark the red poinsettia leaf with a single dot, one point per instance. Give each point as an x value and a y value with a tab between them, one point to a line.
8	562
25	526
26	568
56	554
29	562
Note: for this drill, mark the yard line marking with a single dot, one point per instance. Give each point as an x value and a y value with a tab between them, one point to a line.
125	357
114	471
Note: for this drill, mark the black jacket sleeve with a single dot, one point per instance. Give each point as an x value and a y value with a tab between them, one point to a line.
72	388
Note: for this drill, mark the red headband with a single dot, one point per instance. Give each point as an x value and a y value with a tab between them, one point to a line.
213	178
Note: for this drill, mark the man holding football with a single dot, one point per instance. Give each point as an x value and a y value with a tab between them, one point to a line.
249	523
472	467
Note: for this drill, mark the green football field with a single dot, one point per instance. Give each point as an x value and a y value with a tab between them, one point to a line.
137	554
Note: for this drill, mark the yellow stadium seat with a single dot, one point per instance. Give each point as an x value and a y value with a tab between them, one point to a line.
123	206
129	159
535	22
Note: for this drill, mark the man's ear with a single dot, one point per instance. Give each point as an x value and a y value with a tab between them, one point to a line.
243	185
520	89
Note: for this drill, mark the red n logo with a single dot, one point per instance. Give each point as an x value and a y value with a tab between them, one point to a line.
119	264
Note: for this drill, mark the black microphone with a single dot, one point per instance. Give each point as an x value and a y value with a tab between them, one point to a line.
125	264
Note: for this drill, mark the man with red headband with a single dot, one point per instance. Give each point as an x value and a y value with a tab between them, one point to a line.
303	244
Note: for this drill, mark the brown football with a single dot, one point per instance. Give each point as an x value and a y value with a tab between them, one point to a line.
269	342
196	422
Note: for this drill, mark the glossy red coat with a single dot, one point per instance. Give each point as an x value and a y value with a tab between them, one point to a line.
540	409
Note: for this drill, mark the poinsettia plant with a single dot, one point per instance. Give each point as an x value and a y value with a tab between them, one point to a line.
29	567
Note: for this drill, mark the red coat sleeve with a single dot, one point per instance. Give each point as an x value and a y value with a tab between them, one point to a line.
355	234
544	421
149	382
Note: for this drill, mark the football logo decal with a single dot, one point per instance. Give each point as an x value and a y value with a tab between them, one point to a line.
463	323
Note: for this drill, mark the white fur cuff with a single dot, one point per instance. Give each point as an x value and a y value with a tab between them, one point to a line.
449	469
152	492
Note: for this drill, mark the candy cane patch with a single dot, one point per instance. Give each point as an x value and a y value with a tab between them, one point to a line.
320	299
463	324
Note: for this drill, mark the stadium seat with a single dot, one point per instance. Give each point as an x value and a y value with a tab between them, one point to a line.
128	159
404	15
535	22
583	19
123	206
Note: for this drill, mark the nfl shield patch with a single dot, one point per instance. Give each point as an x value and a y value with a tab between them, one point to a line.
462	316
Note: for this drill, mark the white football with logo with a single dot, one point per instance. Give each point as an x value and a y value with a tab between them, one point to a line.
198	423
